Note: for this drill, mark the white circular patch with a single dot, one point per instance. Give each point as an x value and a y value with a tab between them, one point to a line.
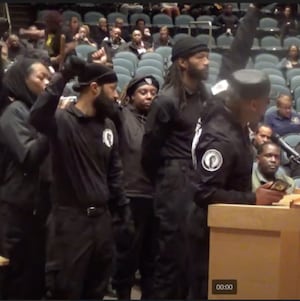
212	160
108	137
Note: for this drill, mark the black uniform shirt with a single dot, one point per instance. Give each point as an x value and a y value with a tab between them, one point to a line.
87	165
224	160
170	128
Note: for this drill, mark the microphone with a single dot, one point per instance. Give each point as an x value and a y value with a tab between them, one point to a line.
291	153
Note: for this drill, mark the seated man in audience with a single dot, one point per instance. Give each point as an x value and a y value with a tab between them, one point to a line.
163	39
227	20
262	134
119	22
137	45
284	121
14	46
140	24
112	43
267	167
101	31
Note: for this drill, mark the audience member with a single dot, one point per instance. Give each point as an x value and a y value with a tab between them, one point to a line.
140	24
284	120
119	22
137	45
101	31
163	39
267	167
112	43
83	36
262	134
227	20
288	24
52	35
72	28
14	47
33	43
292	60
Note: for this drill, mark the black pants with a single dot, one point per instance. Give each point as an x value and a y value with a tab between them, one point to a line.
140	254
79	254
198	253
173	198
22	242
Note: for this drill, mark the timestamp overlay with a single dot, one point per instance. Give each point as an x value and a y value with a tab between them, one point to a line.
224	287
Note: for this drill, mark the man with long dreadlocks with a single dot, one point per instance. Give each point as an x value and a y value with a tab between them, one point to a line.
167	160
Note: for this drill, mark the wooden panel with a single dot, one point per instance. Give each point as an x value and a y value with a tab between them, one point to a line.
249	257
289	286
268	218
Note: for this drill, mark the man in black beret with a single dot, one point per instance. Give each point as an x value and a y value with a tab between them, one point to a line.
88	182
166	157
223	159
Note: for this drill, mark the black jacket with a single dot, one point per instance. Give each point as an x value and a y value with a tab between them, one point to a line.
223	152
137	184
87	167
23	150
224	159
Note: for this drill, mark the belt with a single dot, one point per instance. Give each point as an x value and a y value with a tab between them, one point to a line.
89	211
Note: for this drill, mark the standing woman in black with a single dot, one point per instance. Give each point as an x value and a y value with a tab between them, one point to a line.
23	150
137	253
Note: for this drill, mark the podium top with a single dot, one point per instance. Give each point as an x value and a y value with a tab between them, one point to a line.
252	217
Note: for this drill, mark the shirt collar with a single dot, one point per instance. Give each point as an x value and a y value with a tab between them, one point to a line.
74	111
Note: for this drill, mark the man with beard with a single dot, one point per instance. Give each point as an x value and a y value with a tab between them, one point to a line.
87	182
166	157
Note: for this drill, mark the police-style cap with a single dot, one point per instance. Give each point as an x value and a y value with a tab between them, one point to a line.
140	81
250	84
95	73
187	47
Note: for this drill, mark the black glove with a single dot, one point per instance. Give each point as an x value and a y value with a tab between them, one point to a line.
123	227
72	67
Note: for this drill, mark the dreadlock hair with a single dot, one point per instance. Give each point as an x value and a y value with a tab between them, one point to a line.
174	79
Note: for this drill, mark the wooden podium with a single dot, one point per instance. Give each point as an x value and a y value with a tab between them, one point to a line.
254	252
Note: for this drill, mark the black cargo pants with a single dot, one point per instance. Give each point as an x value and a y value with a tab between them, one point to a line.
79	253
22	241
139	253
173	199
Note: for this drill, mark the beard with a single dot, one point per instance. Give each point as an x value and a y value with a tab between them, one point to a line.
197	73
104	106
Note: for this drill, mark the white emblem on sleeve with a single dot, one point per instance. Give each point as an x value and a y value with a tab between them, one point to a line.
212	160
108	137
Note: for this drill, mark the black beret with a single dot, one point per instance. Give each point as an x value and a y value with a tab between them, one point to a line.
95	73
187	47
250	84
140	81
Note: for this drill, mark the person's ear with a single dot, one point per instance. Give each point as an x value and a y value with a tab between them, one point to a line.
182	63
95	88
253	105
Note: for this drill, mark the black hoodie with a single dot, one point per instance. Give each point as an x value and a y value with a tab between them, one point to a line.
23	148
